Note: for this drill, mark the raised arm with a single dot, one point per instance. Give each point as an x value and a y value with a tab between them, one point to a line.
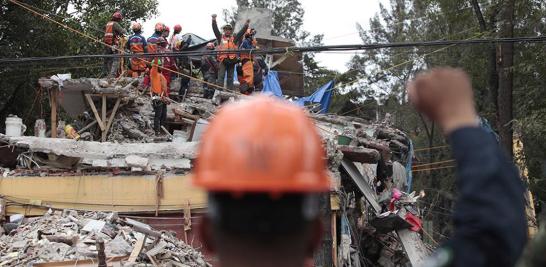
242	32
489	218
217	32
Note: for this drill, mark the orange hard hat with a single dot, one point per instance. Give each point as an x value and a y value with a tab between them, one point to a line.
159	27
261	145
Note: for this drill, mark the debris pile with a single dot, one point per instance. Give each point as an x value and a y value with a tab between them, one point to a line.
65	236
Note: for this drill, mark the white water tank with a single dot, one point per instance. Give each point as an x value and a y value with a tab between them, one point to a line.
15	126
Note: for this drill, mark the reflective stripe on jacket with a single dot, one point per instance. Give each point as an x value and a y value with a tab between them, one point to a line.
227	44
109	33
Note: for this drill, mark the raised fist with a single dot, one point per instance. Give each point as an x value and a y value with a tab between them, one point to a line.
214	16
445	96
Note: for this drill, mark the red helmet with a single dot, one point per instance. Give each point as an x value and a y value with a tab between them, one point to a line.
159	27
177	28
117	16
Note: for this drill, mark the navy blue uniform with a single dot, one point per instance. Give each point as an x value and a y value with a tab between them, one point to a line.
489	218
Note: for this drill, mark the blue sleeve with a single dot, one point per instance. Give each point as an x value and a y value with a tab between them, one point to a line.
489	218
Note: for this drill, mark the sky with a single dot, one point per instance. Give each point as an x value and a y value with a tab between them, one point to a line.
335	19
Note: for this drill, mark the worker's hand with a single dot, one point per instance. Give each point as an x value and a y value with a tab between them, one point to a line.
445	96
213	16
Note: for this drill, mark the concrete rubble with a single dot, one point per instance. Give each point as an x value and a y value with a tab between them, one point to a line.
366	159
64	236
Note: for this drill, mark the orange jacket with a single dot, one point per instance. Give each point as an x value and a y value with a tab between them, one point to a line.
228	43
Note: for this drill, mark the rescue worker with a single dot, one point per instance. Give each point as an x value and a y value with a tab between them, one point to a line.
262	192
175	40
489	217
168	63
152	40
137	45
112	34
209	69
159	90
260	71
153	47
166	33
184	65
264	179
226	42
246	78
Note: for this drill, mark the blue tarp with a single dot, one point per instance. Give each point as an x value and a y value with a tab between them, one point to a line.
272	85
323	95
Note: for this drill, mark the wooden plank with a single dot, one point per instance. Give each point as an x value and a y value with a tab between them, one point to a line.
94	109
53	99
104	118
360	181
112	115
99	193
112	262
137	249
334	238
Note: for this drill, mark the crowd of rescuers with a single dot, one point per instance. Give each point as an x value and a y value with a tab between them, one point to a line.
159	72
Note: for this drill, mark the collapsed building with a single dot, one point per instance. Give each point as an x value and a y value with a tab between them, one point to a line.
119	167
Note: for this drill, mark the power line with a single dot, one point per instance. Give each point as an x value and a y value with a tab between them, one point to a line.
310	49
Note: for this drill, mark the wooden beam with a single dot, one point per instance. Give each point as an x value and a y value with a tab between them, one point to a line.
334	238
112	115
137	249
95	112
104	118
53	99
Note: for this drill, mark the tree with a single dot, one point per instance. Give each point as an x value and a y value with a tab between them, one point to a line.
508	79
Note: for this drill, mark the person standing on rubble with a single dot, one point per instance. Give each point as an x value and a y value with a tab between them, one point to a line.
246	79
184	65
168	63
137	45
175	40
260	71
153	47
264	179
158	89
165	34
489	218
226	42
209	69
112	34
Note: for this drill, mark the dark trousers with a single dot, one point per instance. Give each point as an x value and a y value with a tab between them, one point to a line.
160	114
208	90
111	65
184	84
229	67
